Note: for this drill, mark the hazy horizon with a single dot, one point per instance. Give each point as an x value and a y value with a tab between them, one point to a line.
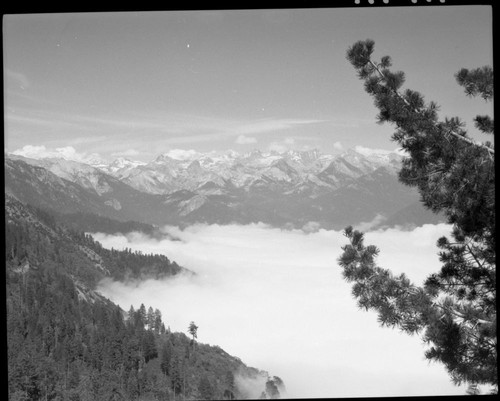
72	154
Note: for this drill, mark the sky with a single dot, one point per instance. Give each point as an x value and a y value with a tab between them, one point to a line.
137	84
277	300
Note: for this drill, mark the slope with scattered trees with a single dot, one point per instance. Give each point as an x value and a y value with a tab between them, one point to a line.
65	341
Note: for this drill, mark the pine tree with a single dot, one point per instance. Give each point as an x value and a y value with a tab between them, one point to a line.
455	309
131	313
193	330
150	318
142	314
157	321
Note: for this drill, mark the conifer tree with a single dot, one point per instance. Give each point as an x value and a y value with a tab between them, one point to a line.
193	330
455	309
150	318
142	315
157	321
131	313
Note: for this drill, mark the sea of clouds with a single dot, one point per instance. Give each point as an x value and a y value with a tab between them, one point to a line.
276	299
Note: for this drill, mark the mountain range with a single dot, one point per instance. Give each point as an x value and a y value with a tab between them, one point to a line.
293	189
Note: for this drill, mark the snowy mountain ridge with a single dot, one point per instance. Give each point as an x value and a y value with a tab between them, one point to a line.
190	170
282	189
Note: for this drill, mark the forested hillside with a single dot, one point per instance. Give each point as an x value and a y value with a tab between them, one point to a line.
35	235
67	342
94	223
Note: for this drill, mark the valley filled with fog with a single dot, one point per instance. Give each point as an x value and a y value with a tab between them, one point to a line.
277	300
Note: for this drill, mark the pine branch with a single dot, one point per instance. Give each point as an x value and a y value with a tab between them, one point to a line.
461	330
461	137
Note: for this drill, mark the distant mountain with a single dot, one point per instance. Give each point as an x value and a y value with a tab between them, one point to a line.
289	189
64	189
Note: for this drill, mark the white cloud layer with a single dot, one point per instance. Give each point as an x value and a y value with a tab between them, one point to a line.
277	300
370	151
181	154
338	146
245	140
66	152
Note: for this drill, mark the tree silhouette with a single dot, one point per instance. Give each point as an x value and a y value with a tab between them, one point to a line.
193	330
455	309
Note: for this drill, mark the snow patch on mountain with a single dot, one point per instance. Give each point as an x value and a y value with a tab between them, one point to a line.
114	204
190	205
121	166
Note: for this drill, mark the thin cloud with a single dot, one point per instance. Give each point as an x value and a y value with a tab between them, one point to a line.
264	126
171	128
290	143
41	121
17	78
279	147
86	139
126	153
245	140
351	122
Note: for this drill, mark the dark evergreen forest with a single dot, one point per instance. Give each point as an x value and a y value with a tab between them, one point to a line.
67	342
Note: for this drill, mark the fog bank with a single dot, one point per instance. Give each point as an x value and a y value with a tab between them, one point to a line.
277	300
